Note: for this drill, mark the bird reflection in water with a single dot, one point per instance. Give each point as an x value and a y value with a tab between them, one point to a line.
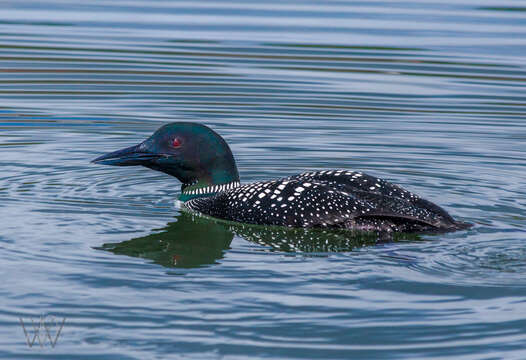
195	240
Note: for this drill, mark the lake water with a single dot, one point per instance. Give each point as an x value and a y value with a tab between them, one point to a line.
430	95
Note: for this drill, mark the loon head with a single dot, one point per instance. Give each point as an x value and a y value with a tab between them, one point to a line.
193	153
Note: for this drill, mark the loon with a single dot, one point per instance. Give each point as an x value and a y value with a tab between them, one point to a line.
203	162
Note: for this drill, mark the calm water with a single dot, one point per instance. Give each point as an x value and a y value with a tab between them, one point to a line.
430	95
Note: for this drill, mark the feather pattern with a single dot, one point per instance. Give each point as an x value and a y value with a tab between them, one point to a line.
329	198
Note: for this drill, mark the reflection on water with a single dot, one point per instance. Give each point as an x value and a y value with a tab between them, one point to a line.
191	241
313	240
195	240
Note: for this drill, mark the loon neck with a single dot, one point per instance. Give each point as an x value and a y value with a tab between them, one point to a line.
204	189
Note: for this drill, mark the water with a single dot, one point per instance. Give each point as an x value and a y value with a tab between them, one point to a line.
427	94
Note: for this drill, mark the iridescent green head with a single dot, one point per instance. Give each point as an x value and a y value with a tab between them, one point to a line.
193	153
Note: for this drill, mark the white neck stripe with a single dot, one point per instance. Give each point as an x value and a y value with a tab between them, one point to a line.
212	189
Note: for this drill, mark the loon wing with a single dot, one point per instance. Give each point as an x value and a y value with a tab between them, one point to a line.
386	202
335	199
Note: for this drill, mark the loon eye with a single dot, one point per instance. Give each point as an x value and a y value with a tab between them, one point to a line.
176	142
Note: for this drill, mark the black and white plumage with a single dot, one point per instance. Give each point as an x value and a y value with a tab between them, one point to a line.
327	199
202	160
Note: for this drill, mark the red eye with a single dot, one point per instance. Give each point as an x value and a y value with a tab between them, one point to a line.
176	142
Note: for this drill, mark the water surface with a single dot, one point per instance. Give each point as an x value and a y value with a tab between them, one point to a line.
430	95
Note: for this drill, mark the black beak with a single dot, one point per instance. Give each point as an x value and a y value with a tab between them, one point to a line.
133	155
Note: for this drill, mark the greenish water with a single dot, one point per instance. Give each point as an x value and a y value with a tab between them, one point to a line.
430	95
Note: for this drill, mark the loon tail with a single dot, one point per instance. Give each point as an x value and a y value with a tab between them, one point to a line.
459	225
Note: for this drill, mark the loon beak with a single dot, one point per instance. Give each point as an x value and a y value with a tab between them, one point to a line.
130	156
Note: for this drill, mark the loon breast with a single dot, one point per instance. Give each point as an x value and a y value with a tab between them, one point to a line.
328	199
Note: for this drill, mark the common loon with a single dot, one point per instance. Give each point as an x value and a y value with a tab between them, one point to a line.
202	160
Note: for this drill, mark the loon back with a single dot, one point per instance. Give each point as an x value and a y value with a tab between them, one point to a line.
328	199
204	163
